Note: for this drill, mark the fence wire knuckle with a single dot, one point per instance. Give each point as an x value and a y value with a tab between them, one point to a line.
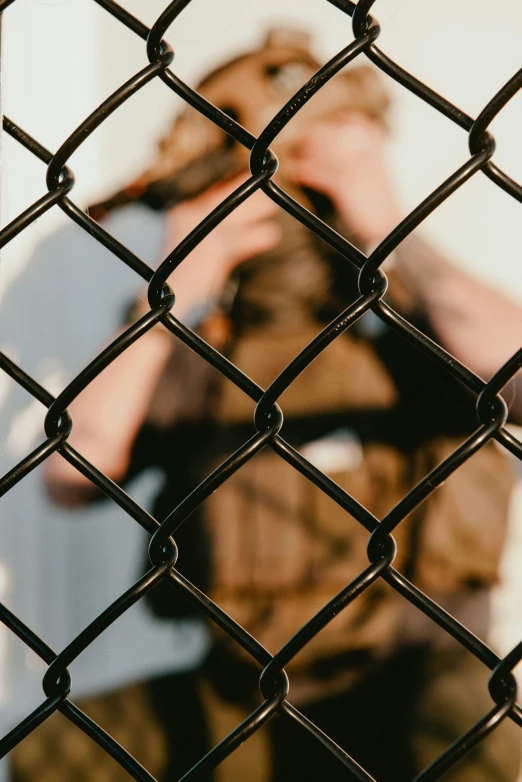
268	417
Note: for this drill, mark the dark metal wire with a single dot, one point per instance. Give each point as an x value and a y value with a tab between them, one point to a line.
491	410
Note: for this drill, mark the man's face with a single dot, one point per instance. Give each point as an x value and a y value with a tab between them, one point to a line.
254	89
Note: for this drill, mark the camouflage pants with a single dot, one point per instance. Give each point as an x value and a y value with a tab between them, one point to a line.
394	722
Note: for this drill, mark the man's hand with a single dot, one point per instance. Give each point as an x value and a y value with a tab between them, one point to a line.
247	231
343	158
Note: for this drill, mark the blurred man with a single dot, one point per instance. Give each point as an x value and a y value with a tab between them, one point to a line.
371	411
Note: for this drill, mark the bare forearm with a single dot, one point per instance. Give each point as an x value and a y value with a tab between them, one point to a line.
108	414
344	158
477	324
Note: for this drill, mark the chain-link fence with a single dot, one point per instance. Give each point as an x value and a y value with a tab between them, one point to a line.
268	419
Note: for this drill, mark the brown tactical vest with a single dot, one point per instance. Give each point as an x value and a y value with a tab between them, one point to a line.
279	547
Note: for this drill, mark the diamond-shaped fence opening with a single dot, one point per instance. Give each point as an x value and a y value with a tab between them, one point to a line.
386	568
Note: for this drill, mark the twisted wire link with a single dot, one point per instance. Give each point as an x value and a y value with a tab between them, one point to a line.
268	417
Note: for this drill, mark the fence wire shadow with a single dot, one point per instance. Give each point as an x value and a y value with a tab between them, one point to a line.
491	410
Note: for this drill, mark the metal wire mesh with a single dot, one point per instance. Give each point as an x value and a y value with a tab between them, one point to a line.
491	410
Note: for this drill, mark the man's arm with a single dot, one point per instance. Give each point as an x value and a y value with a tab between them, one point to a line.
477	324
344	159
109	413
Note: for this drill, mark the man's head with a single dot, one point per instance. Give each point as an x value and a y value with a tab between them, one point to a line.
252	88
195	153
